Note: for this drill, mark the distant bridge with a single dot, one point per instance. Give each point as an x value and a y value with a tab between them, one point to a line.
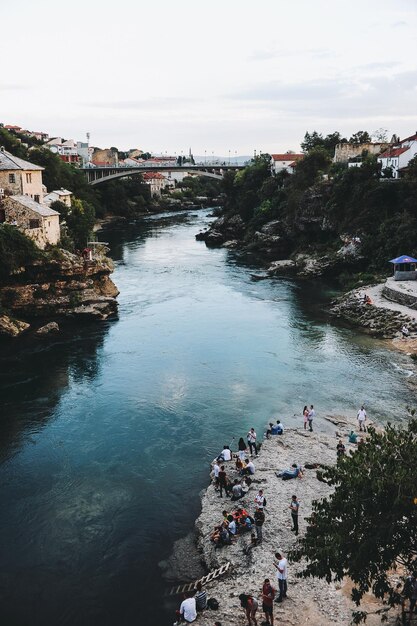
97	175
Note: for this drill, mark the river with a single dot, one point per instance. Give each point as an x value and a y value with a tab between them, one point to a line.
107	430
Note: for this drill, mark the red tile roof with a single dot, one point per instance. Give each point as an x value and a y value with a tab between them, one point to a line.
393	152
413	137
151	175
287	157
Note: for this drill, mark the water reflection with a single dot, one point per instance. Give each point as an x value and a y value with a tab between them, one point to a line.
34	373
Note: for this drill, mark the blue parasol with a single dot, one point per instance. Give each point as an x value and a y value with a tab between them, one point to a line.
403	259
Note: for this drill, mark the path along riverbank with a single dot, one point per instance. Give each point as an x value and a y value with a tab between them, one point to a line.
309	601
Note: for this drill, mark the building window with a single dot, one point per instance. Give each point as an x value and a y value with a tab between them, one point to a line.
36	198
28	177
34	224
12	178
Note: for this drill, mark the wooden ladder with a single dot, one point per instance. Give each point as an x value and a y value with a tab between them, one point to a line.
204	580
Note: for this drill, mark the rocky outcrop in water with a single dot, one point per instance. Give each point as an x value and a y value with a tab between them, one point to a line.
378	321
66	286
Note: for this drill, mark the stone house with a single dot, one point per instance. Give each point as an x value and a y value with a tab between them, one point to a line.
61	195
286	161
19	177
35	220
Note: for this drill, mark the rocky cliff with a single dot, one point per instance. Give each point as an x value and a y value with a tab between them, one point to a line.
65	286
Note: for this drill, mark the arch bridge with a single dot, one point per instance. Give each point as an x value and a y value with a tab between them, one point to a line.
97	175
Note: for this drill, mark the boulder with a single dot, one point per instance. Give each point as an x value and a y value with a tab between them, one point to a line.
11	327
51	327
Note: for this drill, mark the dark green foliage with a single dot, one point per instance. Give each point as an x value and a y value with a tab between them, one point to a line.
315	140
244	188
80	223
15	250
125	197
368	524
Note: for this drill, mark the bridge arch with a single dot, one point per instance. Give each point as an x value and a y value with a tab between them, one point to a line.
111	174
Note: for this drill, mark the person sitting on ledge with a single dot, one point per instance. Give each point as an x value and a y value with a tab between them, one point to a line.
220	536
248	469
225	455
278	429
353	437
295	472
269	430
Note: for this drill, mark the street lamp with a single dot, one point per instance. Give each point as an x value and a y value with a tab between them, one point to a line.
205	157
229	157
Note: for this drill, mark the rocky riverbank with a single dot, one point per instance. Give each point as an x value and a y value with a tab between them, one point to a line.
65	286
309	601
381	318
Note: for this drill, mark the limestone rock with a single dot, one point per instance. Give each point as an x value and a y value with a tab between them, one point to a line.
51	327
11	327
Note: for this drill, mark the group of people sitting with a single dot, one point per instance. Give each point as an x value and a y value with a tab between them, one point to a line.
234	523
275	429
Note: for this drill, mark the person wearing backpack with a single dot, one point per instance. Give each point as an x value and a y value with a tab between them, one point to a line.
260	499
259	522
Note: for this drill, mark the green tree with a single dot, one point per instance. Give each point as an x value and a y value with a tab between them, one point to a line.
368	525
362	136
80	222
315	140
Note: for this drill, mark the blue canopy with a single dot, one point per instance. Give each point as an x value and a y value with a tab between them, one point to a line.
403	259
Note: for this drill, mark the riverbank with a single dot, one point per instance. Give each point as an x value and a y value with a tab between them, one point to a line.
309	601
45	291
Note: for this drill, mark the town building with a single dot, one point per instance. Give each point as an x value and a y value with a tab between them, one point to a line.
19	177
85	153
35	220
65	149
156	181
398	157
286	161
60	195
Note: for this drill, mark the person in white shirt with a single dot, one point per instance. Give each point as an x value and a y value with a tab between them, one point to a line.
232	525
225	455
282	574
250	468
362	418
260	499
310	417
216	470
188	609
251	437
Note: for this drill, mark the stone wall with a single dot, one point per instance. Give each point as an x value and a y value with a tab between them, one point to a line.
344	151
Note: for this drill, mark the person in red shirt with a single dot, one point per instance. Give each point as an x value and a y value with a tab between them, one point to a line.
268	594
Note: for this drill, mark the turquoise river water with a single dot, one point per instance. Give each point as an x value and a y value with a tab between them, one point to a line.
106	431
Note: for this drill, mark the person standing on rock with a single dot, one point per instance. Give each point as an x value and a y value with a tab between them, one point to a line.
251	438
305	416
216	470
223	482
259	517
294	507
362	418
268	594
242	449
200	597
311	416
282	567
260	499
250	605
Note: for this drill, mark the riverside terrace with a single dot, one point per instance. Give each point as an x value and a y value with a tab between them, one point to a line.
96	175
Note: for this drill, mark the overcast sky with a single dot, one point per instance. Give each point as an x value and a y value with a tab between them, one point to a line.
222	75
